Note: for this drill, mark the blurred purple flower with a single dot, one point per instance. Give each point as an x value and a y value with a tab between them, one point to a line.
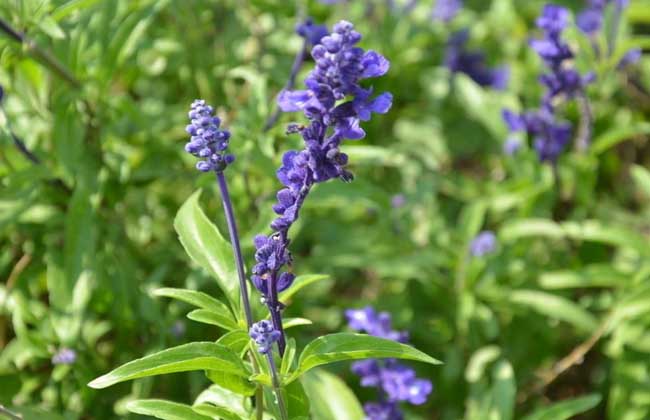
484	243
397	201
472	63
65	356
395	382
629	58
446	10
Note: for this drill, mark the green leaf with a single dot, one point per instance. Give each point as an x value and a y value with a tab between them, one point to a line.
504	390
192	356
289	356
374	155
530	227
297	400
299	283
641	177
71	6
208	317
165	410
595	275
223	398
565	409
617	135
236	340
198	299
205	245
231	382
555	307
347	346
295	322
214	412
50	27
340	404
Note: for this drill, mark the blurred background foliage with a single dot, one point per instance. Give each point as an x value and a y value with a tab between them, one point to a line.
99	95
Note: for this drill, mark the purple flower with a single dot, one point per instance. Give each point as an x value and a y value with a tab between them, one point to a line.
334	102
550	136
64	356
484	243
384	410
553	19
395	382
590	20
400	384
511	146
310	31
631	57
473	64
373	323
397	201
264	335
207	141
446	10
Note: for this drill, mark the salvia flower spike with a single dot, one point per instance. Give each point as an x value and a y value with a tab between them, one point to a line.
210	143
395	382
334	104
550	136
207	141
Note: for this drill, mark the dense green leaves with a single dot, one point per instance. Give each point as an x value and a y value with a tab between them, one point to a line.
193	356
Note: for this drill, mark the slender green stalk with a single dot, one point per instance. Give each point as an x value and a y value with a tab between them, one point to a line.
276	387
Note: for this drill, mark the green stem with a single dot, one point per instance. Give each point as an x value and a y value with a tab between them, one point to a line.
5	411
40	54
276	387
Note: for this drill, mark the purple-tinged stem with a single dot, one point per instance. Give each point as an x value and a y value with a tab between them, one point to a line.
276	386
236	249
275	307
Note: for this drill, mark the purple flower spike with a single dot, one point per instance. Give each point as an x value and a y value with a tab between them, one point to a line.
382	411
264	335
395	382
207	141
334	102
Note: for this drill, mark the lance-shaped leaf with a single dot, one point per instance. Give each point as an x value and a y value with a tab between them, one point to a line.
346	346
192	356
166	410
208	317
198	299
203	242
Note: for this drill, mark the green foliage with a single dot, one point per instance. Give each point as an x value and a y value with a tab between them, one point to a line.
88	250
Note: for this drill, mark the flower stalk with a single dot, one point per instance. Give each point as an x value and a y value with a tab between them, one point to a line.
236	248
